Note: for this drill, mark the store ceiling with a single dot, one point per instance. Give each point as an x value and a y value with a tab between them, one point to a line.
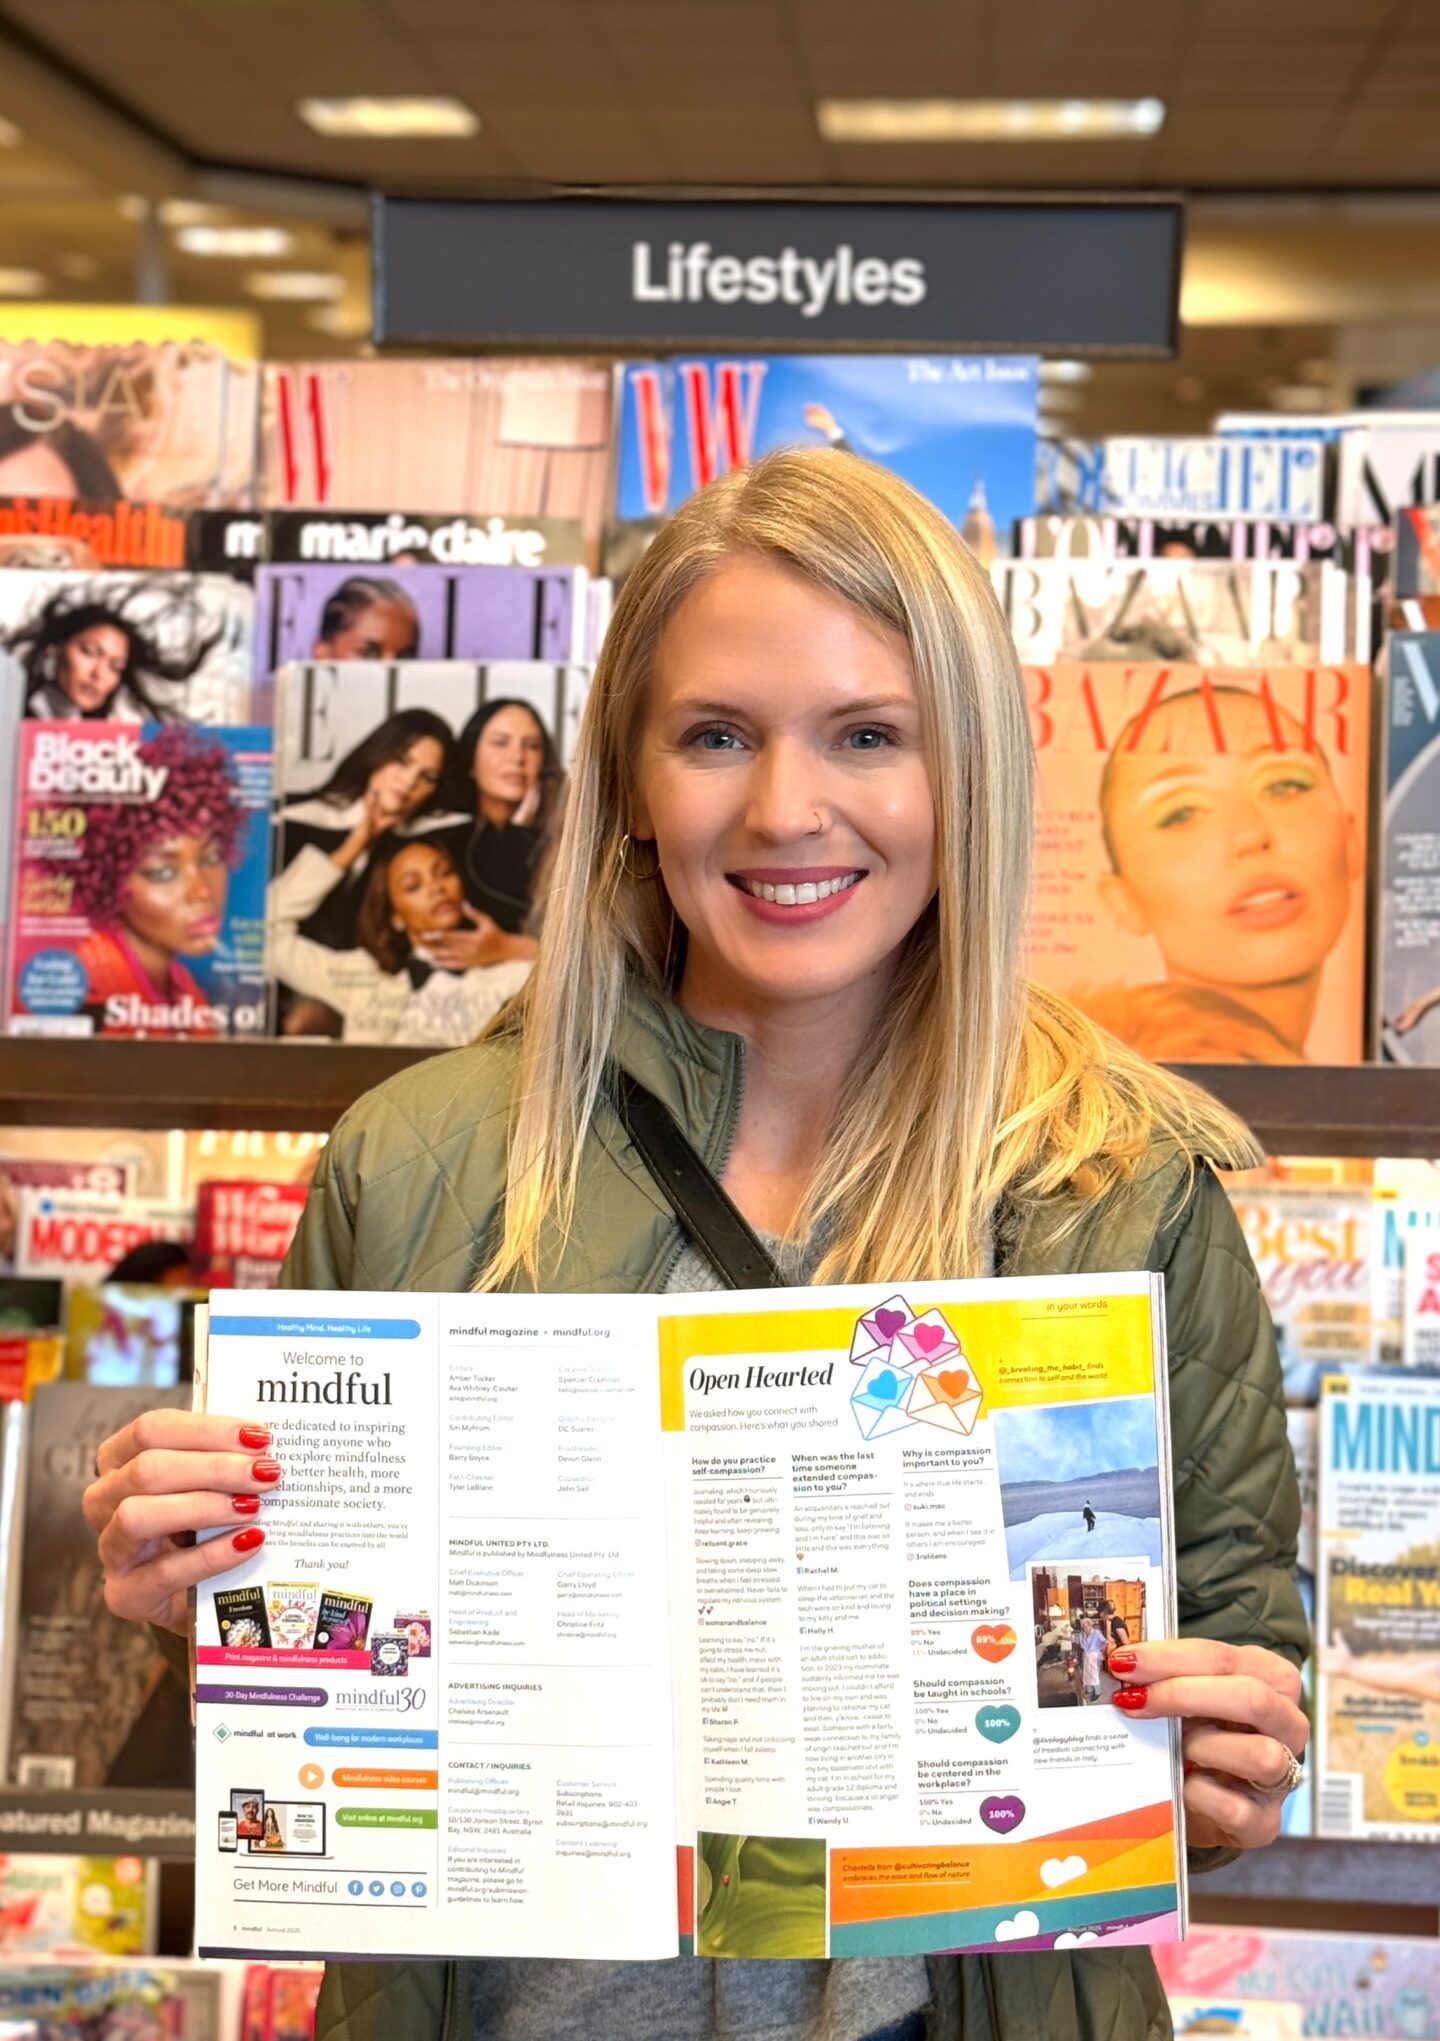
1268	93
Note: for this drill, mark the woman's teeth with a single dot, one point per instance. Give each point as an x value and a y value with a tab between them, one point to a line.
804	895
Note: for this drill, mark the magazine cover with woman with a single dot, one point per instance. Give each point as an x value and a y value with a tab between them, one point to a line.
139	876
417	803
171	423
118	647
306	613
1200	855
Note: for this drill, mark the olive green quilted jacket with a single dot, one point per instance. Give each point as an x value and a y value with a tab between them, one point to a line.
406	1193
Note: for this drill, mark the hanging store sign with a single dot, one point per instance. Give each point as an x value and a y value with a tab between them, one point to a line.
1082	276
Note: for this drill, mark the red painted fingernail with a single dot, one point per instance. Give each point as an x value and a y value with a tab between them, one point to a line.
1130	1697
245	1505
248	1541
266	1470
1188	1768
1122	1661
254	1437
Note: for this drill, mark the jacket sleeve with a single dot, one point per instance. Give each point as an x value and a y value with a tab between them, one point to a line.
1237	1503
342	978
322	1252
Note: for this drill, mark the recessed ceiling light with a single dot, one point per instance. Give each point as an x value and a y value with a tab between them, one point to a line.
189	212
297	286
10	135
986	120
254	242
432	119
22	283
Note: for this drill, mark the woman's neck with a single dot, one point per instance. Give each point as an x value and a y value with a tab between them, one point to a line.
496	813
154	961
1288	1007
798	1055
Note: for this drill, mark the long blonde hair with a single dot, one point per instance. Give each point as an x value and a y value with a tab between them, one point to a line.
977	1085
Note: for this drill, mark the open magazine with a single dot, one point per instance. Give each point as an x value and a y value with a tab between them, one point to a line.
793	1604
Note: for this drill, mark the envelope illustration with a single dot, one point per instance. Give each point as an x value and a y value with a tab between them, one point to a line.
880	1396
947	1396
927	1342
876	1330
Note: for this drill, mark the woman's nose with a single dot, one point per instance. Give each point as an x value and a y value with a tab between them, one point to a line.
786	794
1252	830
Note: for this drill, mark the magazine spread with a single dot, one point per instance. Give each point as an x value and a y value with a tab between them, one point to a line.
1407	943
1377	1764
561	1596
1200	844
139	880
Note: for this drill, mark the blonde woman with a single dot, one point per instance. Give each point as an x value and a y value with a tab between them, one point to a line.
787	901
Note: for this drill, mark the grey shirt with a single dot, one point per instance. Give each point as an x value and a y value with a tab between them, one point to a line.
696	1998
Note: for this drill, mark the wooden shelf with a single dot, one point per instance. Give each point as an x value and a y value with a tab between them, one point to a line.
1294	1109
1297	1868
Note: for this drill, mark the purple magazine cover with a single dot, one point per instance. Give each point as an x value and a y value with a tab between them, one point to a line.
335	613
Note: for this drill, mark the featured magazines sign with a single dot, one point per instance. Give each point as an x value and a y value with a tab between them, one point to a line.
1077	274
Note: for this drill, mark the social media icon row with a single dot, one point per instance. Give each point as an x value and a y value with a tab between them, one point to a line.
357	1888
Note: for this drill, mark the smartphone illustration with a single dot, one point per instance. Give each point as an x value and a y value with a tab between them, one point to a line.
229	1831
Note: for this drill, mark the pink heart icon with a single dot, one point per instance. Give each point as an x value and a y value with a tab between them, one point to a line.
888	1323
930	1336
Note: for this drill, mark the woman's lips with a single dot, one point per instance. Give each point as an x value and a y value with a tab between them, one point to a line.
1273	904
810	894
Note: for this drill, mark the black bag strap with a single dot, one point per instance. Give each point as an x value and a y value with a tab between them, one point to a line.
695	1196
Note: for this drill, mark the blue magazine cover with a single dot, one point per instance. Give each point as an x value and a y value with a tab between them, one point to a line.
960	428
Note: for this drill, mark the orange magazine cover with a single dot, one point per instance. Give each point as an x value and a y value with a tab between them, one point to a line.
1200	855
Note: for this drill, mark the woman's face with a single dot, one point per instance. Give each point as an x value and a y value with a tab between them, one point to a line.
91	665
36	470
175	897
382	630
783	777
1239	862
509	756
403	785
425	893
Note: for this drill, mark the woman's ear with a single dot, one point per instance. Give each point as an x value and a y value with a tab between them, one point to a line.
1122	904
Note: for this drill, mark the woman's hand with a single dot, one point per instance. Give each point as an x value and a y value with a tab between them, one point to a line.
484	942
1239	1707
167	1475
529	806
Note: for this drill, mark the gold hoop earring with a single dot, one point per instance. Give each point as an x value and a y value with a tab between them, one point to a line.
629	870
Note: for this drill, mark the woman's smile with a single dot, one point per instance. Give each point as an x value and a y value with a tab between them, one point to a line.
795	898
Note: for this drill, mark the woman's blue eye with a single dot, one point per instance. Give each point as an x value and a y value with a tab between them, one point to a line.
870	738
715	740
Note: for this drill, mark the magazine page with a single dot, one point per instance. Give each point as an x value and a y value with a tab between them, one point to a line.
1378	1628
1200	852
906	1531
434	1712
139	880
1407	941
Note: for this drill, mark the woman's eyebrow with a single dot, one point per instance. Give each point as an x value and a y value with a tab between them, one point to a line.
866	706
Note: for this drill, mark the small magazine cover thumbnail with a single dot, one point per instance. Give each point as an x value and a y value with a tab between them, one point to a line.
1377	1633
1407	947
129	647
959	428
1417	550
169	423
1197	612
417	805
81	1239
1312	1251
494	437
1200	850
333	613
138	880
243	1231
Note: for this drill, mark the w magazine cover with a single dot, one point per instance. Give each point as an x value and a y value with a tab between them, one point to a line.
139	880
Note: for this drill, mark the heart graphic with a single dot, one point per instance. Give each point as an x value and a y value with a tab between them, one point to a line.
1075	1941
993	1641
951	1383
930	1336
888	1323
884	1387
998	1725
1023	1928
1002	1812
1061	1870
